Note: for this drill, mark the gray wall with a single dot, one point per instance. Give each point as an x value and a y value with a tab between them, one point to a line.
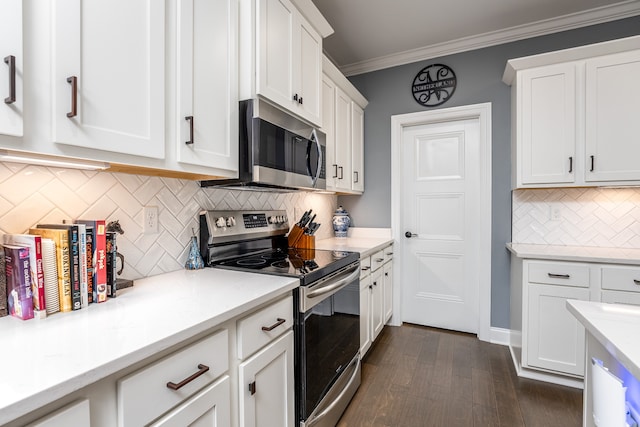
479	76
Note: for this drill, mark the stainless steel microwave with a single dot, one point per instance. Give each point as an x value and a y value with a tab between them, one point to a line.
276	151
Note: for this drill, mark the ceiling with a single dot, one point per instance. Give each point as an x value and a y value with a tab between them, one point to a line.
376	34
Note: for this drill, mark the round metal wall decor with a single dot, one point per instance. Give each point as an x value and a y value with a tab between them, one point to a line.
434	85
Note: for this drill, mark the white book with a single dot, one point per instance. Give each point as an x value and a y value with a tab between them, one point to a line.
50	270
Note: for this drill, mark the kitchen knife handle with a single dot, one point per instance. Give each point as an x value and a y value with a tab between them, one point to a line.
73	80
11	62
201	370
275	325
190	120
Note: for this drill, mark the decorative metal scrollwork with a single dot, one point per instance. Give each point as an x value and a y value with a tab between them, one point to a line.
434	85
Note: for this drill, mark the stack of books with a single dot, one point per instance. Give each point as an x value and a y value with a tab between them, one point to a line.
56	268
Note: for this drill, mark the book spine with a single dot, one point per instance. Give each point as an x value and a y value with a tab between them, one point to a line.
39	302
64	271
111	264
100	261
82	256
89	256
18	273
3	285
76	296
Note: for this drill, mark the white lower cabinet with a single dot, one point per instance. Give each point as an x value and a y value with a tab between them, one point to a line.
266	386
555	338
75	414
210	407
376	290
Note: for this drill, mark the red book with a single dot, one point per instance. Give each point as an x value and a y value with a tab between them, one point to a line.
34	243
99	258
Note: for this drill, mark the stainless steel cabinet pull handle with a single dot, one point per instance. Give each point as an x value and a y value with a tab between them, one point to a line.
365	268
74	96
190	120
389	253
300	101
252	388
355	176
335	171
295	97
11	62
636	281
341	172
275	325
201	370
559	276
592	163
570	164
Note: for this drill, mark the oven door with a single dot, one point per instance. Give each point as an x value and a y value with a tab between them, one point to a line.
328	340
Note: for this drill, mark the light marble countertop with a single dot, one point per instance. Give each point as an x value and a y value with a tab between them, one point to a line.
366	241
615	326
576	253
44	360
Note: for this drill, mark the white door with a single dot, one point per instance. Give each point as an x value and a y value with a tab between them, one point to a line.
308	70
108	75
342	139
357	147
207	63
11	70
440	184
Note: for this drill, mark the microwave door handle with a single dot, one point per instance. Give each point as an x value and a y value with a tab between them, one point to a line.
314	138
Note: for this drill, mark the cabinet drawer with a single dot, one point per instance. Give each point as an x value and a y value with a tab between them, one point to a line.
258	329
145	394
377	260
365	266
388	253
621	278
559	273
619	297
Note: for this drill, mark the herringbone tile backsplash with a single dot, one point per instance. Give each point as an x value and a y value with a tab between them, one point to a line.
604	217
33	194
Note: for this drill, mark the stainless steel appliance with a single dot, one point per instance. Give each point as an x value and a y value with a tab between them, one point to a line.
276	151
326	305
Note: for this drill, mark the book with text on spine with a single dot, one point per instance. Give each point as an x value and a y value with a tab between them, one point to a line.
3	285
18	273
99	258
74	261
34	243
63	263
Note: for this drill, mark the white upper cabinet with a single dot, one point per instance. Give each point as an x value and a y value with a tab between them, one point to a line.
11	70
613	117
108	75
207	84
575	116
285	50
343	123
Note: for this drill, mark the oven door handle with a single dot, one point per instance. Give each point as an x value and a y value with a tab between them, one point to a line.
335	285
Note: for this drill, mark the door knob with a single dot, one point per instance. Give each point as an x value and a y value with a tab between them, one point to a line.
409	235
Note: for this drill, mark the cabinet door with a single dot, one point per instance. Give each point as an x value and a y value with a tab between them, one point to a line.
76	414
377	303
115	50
343	139
357	147
612	111
328	126
307	70
388	292
555	338
11	70
211	407
546	148
207	61
621	297
266	386
365	314
275	22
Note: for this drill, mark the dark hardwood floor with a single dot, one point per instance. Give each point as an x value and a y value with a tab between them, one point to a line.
419	376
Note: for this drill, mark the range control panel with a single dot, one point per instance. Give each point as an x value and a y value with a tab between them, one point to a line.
232	226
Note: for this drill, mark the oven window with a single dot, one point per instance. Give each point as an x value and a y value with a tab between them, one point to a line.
331	340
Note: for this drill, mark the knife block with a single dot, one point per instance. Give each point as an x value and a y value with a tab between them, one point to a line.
306	246
294	235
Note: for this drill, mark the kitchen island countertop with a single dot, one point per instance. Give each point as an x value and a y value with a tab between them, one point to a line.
366	241
46	359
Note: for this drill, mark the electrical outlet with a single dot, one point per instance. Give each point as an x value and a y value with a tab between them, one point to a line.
150	218
555	213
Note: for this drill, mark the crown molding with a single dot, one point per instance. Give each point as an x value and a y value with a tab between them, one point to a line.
549	26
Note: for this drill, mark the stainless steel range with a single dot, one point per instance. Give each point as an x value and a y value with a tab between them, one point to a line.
326	305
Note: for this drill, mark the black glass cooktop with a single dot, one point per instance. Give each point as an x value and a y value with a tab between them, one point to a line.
307	264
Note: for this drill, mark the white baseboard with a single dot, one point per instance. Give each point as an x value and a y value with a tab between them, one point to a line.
499	336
